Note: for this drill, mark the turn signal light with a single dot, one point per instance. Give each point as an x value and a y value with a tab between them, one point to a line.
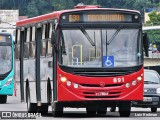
63	79
139	78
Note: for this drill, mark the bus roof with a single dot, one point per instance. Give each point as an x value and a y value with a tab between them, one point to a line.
56	14
151	28
4	33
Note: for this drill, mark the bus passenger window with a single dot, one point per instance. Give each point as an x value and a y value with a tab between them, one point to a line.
17	48
43	48
49	52
32	50
26	50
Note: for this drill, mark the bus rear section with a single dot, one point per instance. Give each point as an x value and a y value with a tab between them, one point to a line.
6	66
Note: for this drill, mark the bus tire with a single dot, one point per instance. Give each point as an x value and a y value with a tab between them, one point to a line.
102	110
113	109
43	109
91	110
153	109
31	107
3	99
125	109
49	93
57	110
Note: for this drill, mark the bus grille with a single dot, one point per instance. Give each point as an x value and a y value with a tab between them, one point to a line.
98	85
95	91
101	73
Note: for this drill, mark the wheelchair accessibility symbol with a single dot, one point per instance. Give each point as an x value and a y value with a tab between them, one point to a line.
108	61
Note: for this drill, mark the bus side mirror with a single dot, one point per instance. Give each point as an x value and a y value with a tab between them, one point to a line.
145	44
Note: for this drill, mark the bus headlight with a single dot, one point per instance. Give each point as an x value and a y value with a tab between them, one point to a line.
127	85
63	79
75	85
136	16
9	81
139	78
69	83
158	90
134	82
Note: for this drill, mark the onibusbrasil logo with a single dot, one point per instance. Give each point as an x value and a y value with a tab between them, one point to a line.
19	115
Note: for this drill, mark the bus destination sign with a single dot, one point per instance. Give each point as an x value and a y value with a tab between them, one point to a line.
5	38
98	18
112	17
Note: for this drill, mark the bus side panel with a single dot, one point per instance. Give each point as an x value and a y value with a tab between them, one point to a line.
17	78
29	74
45	74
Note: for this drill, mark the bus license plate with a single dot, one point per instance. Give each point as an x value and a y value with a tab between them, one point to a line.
147	99
101	93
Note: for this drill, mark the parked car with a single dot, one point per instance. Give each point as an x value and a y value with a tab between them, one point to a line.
151	91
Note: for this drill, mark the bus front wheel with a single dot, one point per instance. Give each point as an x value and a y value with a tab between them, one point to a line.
43	109
57	110
91	110
102	110
3	99
153	109
125	108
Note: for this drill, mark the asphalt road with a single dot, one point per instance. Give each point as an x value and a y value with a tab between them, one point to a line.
14	105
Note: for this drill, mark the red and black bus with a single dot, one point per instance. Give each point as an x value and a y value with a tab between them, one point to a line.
87	57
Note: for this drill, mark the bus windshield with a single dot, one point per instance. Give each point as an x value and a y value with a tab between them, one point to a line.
5	59
85	47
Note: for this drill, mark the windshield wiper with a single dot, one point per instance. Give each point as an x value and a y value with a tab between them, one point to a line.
87	36
150	82
114	35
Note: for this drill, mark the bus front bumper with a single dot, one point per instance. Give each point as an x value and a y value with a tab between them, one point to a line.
6	90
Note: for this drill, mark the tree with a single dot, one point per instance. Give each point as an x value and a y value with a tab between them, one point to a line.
111	3
154	18
85	2
138	4
62	4
43	6
32	9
